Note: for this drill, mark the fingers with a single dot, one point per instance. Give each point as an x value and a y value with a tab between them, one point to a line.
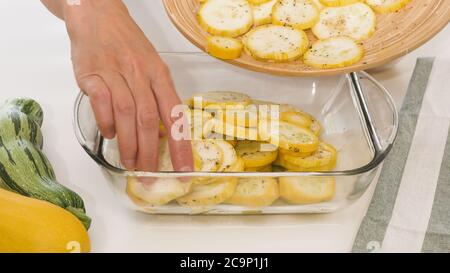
99	95
147	121
124	112
167	99
131	109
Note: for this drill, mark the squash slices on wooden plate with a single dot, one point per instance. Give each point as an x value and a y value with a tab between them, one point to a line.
333	53
386	6
295	13
356	21
385	29
229	18
278	34
276	43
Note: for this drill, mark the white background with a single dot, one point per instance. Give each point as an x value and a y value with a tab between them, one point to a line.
35	62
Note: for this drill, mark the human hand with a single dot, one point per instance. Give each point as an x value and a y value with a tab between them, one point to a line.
129	86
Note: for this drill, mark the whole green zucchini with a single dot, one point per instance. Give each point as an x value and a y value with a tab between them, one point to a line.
24	168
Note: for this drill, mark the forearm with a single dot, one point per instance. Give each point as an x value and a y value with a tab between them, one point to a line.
55	7
71	10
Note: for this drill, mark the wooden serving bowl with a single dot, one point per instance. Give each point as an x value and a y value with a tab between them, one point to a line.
397	34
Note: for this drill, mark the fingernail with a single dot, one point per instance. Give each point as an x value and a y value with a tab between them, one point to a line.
109	135
186	169
130	164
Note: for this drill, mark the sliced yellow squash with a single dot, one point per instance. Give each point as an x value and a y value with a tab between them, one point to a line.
238	166
276	43
239	132
156	192
263	169
257	2
224	48
333	53
238	116
290	137
386	6
229	155
301	14
298	118
198	121
316	128
325	156
356	21
255	192
230	18
337	3
307	190
292	114
288	166
216	136
256	154
262	13
209	194
318	4
220	100
210	155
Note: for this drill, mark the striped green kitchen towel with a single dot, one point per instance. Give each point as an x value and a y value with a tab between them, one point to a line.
410	209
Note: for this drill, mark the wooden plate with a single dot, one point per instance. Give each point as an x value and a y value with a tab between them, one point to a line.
397	34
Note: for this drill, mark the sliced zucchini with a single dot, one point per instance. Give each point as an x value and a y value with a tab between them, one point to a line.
255	153
230	18
386	6
307	190
255	192
301	14
224	48
356	21
276	43
333	53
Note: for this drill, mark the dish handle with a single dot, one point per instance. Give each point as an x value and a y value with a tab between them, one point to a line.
367	120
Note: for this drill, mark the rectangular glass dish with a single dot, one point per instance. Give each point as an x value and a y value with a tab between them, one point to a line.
357	114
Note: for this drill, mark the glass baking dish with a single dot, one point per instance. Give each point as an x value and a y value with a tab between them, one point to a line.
357	114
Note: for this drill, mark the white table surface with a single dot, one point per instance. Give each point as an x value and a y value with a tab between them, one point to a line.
35	62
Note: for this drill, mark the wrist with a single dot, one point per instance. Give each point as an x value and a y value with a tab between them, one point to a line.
80	15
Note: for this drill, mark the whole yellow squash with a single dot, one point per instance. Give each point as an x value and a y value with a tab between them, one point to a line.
31	225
